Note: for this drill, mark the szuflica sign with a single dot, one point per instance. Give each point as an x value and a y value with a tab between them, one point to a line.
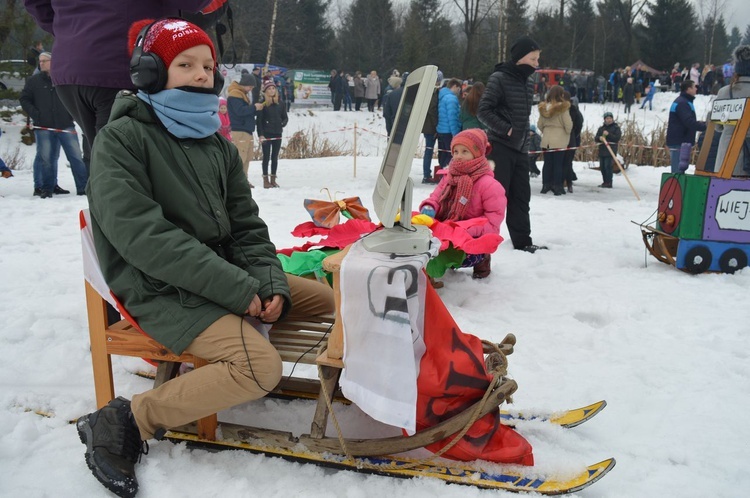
728	111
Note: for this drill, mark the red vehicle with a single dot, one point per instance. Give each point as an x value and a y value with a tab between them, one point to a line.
552	77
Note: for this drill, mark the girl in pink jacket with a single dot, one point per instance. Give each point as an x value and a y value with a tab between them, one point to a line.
226	126
469	190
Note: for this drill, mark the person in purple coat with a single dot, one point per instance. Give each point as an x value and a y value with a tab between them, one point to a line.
91	61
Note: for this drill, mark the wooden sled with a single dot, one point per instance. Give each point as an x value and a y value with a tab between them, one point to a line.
661	245
315	341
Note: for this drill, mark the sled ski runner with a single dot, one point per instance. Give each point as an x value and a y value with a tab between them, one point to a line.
288	447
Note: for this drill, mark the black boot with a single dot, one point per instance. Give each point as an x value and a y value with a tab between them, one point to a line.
545	188
113	446
558	190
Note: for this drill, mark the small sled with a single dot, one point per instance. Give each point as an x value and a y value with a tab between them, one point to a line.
702	223
319	341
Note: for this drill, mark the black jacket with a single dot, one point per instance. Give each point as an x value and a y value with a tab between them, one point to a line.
506	104
272	120
430	121
40	101
613	136
577	118
390	107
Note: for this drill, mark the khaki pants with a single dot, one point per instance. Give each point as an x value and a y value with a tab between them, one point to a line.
244	143
230	379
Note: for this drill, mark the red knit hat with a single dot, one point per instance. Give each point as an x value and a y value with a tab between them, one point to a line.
168	37
268	83
474	139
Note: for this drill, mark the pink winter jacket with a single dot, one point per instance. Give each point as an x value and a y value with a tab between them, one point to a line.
487	201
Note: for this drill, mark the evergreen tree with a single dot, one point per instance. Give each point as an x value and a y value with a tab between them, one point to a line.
580	30
735	38
548	32
670	35
303	37
624	14
746	36
368	38
716	48
427	37
517	25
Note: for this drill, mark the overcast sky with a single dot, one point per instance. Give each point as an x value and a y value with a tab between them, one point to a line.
737	12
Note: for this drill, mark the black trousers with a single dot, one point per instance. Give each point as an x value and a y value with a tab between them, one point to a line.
512	171
90	107
271	150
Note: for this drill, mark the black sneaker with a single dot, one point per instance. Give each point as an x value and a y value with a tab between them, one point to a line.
113	446
37	192
532	248
59	190
45	194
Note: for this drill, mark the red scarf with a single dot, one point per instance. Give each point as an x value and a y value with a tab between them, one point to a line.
457	194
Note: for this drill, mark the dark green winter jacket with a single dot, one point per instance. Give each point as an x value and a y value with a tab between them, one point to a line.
175	226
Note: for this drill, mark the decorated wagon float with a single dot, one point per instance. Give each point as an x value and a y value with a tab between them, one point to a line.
392	349
703	219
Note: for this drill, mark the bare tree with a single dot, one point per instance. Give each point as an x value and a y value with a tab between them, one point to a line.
502	31
710	11
628	12
473	13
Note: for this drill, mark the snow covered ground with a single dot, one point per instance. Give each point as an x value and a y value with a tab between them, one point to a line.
595	316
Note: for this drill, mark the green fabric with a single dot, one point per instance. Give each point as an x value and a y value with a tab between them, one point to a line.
468	121
176	230
448	258
304	263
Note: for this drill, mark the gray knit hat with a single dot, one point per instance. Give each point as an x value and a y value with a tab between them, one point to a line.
742	60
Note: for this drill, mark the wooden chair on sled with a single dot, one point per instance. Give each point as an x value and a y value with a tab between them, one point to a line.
295	341
317	341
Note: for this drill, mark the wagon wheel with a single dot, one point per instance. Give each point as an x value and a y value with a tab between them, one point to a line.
698	259
732	260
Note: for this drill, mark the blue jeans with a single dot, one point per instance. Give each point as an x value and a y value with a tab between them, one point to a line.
429	148
674	159
444	148
72	148
45	162
48	152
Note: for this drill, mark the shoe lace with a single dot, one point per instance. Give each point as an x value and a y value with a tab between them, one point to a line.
132	445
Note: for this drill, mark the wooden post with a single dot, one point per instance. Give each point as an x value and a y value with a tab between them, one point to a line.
604	141
355	149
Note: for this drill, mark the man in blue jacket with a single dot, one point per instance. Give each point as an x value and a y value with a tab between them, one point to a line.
448	123
683	124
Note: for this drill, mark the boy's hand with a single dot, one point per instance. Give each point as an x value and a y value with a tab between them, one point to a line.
258	107
605	133
272	308
255	307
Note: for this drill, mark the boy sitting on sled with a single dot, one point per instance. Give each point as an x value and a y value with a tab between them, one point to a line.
181	245
469	190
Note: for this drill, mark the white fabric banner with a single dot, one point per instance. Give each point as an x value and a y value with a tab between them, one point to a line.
382	305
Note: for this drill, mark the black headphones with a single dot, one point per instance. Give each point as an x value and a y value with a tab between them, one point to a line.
148	72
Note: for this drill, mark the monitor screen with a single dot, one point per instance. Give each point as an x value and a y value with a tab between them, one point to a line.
407	128
398	132
393	186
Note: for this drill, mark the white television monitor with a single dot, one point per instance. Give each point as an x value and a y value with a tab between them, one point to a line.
393	187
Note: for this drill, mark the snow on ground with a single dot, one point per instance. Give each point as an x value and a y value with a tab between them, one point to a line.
595	316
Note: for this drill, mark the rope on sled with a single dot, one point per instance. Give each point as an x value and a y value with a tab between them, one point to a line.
498	373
